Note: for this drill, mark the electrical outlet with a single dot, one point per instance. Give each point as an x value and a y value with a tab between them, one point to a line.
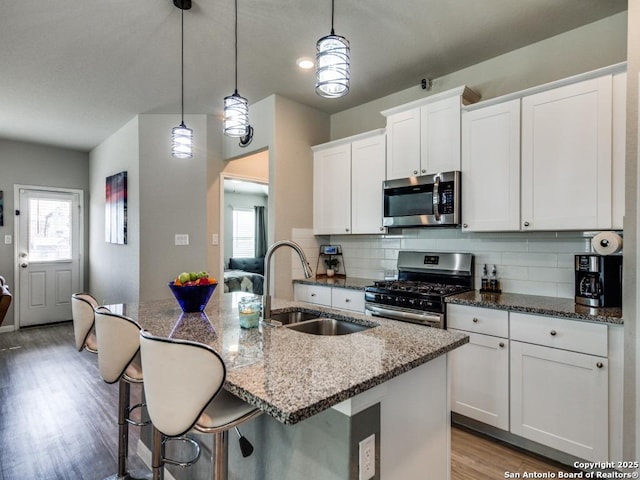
367	457
8	240
215	239
182	239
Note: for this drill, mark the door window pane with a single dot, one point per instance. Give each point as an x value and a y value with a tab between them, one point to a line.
49	230
243	233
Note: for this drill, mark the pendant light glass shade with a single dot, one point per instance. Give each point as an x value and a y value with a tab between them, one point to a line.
236	115
332	66
182	141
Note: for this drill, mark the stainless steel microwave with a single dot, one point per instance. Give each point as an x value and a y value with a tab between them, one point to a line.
423	201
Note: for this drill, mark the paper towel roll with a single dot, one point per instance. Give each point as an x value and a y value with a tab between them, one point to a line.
606	243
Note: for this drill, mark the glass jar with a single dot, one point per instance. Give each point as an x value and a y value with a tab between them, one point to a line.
249	312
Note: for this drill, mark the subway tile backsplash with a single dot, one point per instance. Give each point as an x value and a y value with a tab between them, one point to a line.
535	263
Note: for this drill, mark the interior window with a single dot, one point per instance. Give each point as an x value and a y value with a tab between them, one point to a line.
243	232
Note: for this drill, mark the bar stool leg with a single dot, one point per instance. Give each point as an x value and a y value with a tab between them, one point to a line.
157	455
123	427
219	455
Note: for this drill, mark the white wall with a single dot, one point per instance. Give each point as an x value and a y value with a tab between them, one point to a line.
115	269
42	165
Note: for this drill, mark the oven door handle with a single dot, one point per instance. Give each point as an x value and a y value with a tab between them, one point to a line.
382	312
436	197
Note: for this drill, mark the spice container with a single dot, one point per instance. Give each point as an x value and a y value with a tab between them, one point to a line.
249	312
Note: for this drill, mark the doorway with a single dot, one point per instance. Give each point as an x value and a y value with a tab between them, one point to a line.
49	251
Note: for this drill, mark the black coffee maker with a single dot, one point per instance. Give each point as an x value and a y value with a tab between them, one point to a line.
598	280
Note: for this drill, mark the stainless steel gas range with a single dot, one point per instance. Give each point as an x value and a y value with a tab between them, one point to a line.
424	280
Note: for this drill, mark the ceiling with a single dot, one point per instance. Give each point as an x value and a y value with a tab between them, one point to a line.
75	72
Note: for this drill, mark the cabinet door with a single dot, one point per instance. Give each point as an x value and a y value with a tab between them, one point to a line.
480	380
491	168
368	168
332	190
619	140
566	157
403	144
560	399
440	136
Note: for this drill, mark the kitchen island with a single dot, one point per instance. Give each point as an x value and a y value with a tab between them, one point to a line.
322	395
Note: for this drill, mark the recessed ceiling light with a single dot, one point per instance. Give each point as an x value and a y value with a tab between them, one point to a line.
305	63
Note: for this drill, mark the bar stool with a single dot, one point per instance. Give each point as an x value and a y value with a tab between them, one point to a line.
5	299
183	389
82	313
119	361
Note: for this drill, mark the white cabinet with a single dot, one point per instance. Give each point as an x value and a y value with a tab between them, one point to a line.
347	185
566	157
368	171
423	137
332	190
559	397
334	297
480	369
491	168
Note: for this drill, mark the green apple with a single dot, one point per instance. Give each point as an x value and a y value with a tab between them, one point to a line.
184	277
193	276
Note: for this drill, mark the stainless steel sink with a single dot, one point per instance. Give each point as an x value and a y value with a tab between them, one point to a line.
327	326
287	318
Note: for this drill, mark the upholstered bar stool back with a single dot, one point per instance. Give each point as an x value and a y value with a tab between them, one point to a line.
82	312
119	361
183	389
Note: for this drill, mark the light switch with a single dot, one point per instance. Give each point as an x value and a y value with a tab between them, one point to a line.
182	239
215	239
8	240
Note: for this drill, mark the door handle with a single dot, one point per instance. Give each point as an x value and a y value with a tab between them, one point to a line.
436	198
24	265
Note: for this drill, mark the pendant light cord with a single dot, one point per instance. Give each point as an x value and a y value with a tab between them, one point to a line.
236	45
182	65
332	9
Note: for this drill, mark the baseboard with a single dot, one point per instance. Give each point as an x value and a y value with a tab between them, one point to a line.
7	328
145	455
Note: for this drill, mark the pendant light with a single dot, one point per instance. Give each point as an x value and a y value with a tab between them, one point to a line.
332	64
236	108
182	136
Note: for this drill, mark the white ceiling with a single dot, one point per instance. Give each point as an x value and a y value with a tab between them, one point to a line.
72	73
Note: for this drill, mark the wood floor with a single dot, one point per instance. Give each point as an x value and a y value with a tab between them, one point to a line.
58	419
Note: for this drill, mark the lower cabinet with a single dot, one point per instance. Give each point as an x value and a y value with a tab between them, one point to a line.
480	380
334	297
546	379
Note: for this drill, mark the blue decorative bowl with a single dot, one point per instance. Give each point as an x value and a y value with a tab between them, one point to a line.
192	298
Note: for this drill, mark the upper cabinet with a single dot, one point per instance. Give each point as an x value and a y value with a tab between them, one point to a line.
550	158
566	157
491	168
347	185
423	137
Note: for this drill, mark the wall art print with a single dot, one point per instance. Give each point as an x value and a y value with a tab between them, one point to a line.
1	208
115	215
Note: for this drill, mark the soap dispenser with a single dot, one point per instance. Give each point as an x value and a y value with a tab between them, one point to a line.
494	286
484	285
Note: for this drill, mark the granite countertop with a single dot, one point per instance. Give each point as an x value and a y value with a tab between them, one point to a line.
558	307
353	283
292	375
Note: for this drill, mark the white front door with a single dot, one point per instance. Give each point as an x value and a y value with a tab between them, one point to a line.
49	248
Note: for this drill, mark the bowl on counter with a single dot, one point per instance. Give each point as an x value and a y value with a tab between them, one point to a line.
192	298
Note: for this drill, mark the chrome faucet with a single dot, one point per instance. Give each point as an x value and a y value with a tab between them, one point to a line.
266	299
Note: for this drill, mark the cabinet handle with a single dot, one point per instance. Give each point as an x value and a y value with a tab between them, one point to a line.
464	225
553	333
501	344
313	294
599	365
347	300
475	320
415	172
526	224
424	171
346	229
382	229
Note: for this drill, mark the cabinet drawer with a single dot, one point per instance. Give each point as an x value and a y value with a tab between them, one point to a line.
478	320
313	294
561	333
348	299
